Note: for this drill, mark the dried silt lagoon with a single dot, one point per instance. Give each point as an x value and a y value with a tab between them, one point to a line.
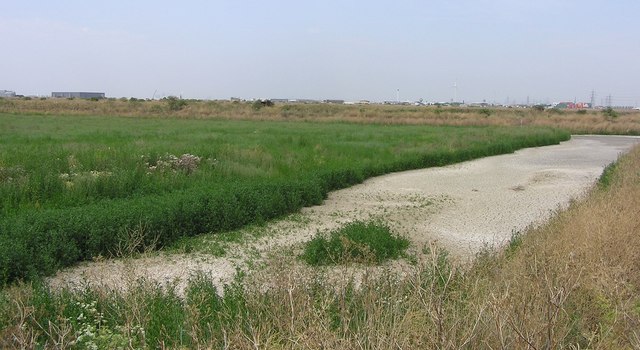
463	208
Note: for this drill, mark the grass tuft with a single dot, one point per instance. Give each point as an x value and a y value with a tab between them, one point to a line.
607	174
361	242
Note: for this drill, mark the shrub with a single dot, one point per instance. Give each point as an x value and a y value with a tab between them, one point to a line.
539	108
258	104
174	103
556	111
359	241
609	112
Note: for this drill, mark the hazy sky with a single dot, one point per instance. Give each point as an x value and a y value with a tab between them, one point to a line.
494	50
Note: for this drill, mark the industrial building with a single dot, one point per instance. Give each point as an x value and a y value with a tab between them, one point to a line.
572	105
78	95
7	93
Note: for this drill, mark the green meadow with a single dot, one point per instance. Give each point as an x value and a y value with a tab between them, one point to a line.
73	187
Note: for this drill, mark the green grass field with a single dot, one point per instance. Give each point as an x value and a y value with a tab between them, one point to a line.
72	187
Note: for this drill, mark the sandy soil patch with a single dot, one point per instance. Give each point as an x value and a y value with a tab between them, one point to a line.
463	208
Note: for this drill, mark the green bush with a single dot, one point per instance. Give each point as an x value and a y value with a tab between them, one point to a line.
367	242
609	112
258	104
175	104
557	111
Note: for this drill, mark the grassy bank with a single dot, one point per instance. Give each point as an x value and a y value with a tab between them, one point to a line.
74	188
572	283
577	122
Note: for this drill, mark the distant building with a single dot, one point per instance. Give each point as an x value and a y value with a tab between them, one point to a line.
306	101
572	105
7	93
338	102
77	95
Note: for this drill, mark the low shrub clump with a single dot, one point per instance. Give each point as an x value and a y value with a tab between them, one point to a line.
610	113
369	242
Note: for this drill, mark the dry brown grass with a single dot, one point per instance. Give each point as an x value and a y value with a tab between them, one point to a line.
627	122
576	280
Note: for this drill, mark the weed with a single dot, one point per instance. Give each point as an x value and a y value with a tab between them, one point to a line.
175	104
556	111
258	104
94	332
514	243
610	113
485	112
605	179
539	108
362	242
135	240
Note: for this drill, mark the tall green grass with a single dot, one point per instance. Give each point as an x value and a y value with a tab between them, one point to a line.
71	188
359	241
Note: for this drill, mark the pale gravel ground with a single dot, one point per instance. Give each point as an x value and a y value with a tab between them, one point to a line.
462	208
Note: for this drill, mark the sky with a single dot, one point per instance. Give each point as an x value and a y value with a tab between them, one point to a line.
500	51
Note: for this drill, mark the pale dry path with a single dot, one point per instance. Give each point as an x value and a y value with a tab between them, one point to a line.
463	208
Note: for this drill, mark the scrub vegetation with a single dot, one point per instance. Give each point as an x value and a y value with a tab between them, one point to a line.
607	121
77	188
572	283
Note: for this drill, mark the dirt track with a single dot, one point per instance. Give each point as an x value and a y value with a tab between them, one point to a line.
463	208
